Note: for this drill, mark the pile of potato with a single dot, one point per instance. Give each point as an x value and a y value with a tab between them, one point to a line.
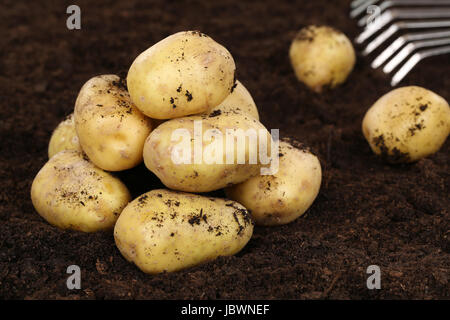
189	78
181	80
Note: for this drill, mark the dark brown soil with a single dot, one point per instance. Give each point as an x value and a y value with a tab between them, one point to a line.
367	212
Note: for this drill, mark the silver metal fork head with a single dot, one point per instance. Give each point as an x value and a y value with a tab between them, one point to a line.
384	19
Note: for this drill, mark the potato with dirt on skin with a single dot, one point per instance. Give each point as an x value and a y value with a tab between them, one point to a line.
72	193
186	73
64	137
111	130
240	100
284	196
165	230
407	124
321	56
170	151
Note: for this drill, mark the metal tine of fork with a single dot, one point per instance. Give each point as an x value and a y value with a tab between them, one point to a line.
357	3
380	39
395	3
403	25
410	48
415	59
400	41
361	8
392	14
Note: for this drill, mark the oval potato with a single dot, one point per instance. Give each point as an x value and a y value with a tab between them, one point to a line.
283	197
186	73
322	56
240	100
164	230
111	130
64	137
71	193
407	124
211	171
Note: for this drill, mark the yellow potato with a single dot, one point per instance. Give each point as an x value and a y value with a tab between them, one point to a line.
164	230
183	158
71	193
322	56
184	74
407	124
283	197
64	137
111	130
240	100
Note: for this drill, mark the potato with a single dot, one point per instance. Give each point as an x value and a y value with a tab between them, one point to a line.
64	137
112	131
164	230
71	193
240	100
283	197
183	158
186	73
407	124
321	56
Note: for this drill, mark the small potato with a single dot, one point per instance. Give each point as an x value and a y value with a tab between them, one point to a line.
64	137
407	124
71	193
283	197
164	230
186	156
321	56
112	131
186	73
240	100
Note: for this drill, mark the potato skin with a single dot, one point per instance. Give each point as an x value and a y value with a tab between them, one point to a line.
71	193
200	177
186	73
64	137
322	56
240	100
111	130
165	230
407	124
283	197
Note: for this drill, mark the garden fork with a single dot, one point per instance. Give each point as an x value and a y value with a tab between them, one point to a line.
384	19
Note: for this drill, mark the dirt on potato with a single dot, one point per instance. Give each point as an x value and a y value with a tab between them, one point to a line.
367	212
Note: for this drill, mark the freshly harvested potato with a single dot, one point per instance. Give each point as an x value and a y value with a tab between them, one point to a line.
112	131
407	124
240	100
321	56
184	74
283	197
71	193
164	230
64	137
191	154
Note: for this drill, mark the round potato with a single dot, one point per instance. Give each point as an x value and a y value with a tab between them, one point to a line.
164	230
186	73
192	153
64	137
284	196
407	124
240	100
71	193
322	56
112	131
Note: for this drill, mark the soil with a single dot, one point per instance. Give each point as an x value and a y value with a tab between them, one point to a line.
367	212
